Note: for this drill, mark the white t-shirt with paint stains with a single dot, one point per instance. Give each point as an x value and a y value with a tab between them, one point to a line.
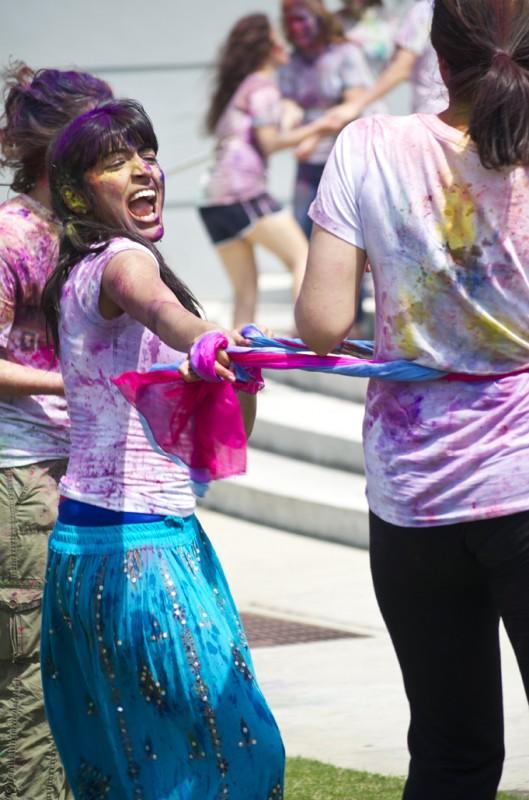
318	84
448	242
112	464
33	428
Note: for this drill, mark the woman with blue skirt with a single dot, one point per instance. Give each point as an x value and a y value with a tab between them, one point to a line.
149	684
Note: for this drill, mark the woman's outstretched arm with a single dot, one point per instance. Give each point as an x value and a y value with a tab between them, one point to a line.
131	283
326	306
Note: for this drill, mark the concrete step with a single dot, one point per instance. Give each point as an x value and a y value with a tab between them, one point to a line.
296	496
339	386
310	427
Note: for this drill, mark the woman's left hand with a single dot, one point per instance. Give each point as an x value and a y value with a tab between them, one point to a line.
187	373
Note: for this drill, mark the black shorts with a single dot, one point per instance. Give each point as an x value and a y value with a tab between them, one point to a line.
230	221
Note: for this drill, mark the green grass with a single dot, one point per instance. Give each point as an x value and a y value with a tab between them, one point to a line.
311	780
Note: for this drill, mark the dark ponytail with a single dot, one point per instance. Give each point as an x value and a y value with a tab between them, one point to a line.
484	45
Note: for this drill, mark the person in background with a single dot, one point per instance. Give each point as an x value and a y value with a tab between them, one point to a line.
414	60
148	679
245	118
324	70
370	25
438	204
34	430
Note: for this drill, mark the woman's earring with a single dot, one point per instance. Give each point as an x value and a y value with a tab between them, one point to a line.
74	200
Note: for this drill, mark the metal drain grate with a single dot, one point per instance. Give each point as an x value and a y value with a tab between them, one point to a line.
263	631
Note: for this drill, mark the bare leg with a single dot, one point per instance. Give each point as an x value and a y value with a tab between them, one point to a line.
239	262
281	234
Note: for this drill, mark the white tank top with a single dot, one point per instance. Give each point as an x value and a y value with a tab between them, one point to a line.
111	462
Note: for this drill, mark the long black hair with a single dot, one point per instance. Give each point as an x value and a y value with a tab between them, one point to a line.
485	46
112	126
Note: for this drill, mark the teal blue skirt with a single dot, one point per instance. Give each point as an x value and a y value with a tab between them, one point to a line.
148	680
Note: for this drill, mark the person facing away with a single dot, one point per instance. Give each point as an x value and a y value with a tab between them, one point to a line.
438	204
34	429
245	117
148	679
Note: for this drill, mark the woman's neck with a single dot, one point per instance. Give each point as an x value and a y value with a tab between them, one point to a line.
268	68
41	193
456	116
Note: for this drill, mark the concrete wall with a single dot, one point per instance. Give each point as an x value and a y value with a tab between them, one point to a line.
158	53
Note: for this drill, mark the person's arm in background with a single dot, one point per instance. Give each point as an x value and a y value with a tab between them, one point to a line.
271	139
398	70
267	110
411	40
17	380
356	78
291	114
334	121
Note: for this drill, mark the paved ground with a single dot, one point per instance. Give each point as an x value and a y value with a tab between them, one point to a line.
339	701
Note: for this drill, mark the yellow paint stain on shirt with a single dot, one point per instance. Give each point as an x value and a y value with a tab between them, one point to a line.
458	226
406	322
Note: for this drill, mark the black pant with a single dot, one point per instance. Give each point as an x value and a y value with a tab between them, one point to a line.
442	591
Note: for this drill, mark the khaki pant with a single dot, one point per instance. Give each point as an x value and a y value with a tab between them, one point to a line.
29	765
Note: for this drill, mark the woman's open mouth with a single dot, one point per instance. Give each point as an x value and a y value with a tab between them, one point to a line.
142	205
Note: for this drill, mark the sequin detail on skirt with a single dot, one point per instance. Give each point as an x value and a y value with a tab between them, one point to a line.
148	679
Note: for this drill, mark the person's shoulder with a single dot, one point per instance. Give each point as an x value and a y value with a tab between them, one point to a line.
250	86
393	125
123	244
26	228
17	215
384	131
258	80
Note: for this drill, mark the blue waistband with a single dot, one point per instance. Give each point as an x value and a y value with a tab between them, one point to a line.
75	512
105	539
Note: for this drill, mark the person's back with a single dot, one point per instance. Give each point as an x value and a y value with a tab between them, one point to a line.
438	205
448	247
239	171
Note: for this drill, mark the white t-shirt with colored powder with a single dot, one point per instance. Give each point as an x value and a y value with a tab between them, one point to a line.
239	171
33	428
112	464
448	243
317	84
429	94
